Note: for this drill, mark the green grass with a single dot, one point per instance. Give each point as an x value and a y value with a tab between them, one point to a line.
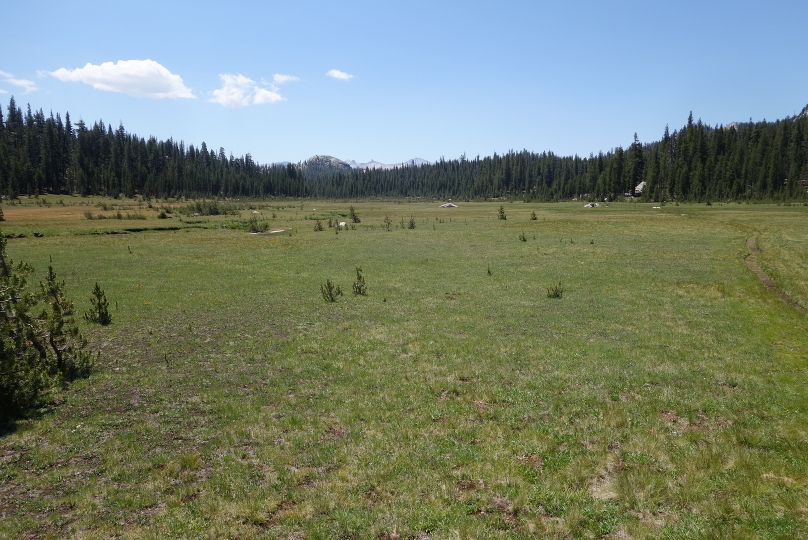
661	397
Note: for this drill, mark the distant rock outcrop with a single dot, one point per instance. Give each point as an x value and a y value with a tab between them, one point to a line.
372	164
327	165
324	166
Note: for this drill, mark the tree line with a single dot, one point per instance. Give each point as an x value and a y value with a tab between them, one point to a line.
40	154
740	161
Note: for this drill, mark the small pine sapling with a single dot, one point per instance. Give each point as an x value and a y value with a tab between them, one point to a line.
387	222
353	216
330	291
522	236
99	312
412	223
502	213
359	286
533	216
555	291
318	225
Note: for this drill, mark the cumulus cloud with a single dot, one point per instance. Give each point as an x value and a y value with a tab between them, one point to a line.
25	84
240	91
140	78
337	74
280	79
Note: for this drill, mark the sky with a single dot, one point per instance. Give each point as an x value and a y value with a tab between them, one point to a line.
393	80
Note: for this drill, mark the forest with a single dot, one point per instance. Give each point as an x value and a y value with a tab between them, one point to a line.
740	161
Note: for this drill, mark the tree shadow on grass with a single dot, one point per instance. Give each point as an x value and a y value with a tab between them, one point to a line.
10	423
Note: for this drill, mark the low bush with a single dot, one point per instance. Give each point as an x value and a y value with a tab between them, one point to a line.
99	312
359	286
254	226
555	291
330	291
353	215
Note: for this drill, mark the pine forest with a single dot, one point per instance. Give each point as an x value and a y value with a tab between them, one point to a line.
762	161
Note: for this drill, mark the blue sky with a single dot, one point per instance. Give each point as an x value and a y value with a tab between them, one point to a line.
407	79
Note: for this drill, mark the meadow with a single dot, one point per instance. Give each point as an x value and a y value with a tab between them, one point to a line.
661	396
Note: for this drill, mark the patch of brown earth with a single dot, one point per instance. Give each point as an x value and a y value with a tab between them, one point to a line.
704	424
533	460
469	485
604	486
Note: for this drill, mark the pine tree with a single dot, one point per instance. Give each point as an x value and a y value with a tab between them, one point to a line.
99	312
36	351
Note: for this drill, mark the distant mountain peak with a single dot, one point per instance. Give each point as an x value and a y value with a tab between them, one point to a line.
373	164
318	165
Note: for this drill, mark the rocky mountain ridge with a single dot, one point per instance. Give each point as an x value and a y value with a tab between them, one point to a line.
321	164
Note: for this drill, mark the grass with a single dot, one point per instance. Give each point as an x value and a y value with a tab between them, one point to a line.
661	397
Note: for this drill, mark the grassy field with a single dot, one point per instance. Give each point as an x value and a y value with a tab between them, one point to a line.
662	396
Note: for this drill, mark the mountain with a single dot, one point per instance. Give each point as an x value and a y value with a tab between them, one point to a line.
372	164
325	166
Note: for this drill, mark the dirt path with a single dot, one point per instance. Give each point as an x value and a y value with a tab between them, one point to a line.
751	262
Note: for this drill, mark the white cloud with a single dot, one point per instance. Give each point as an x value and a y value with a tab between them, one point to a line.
337	74
262	95
280	79
240	91
140	78
25	84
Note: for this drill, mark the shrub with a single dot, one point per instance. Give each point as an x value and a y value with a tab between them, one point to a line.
330	291
522	236
37	352
207	208
411	225
255	227
533	216
162	215
88	214
359	287
353	216
387	222
318	226
99	312
555	291
502	212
